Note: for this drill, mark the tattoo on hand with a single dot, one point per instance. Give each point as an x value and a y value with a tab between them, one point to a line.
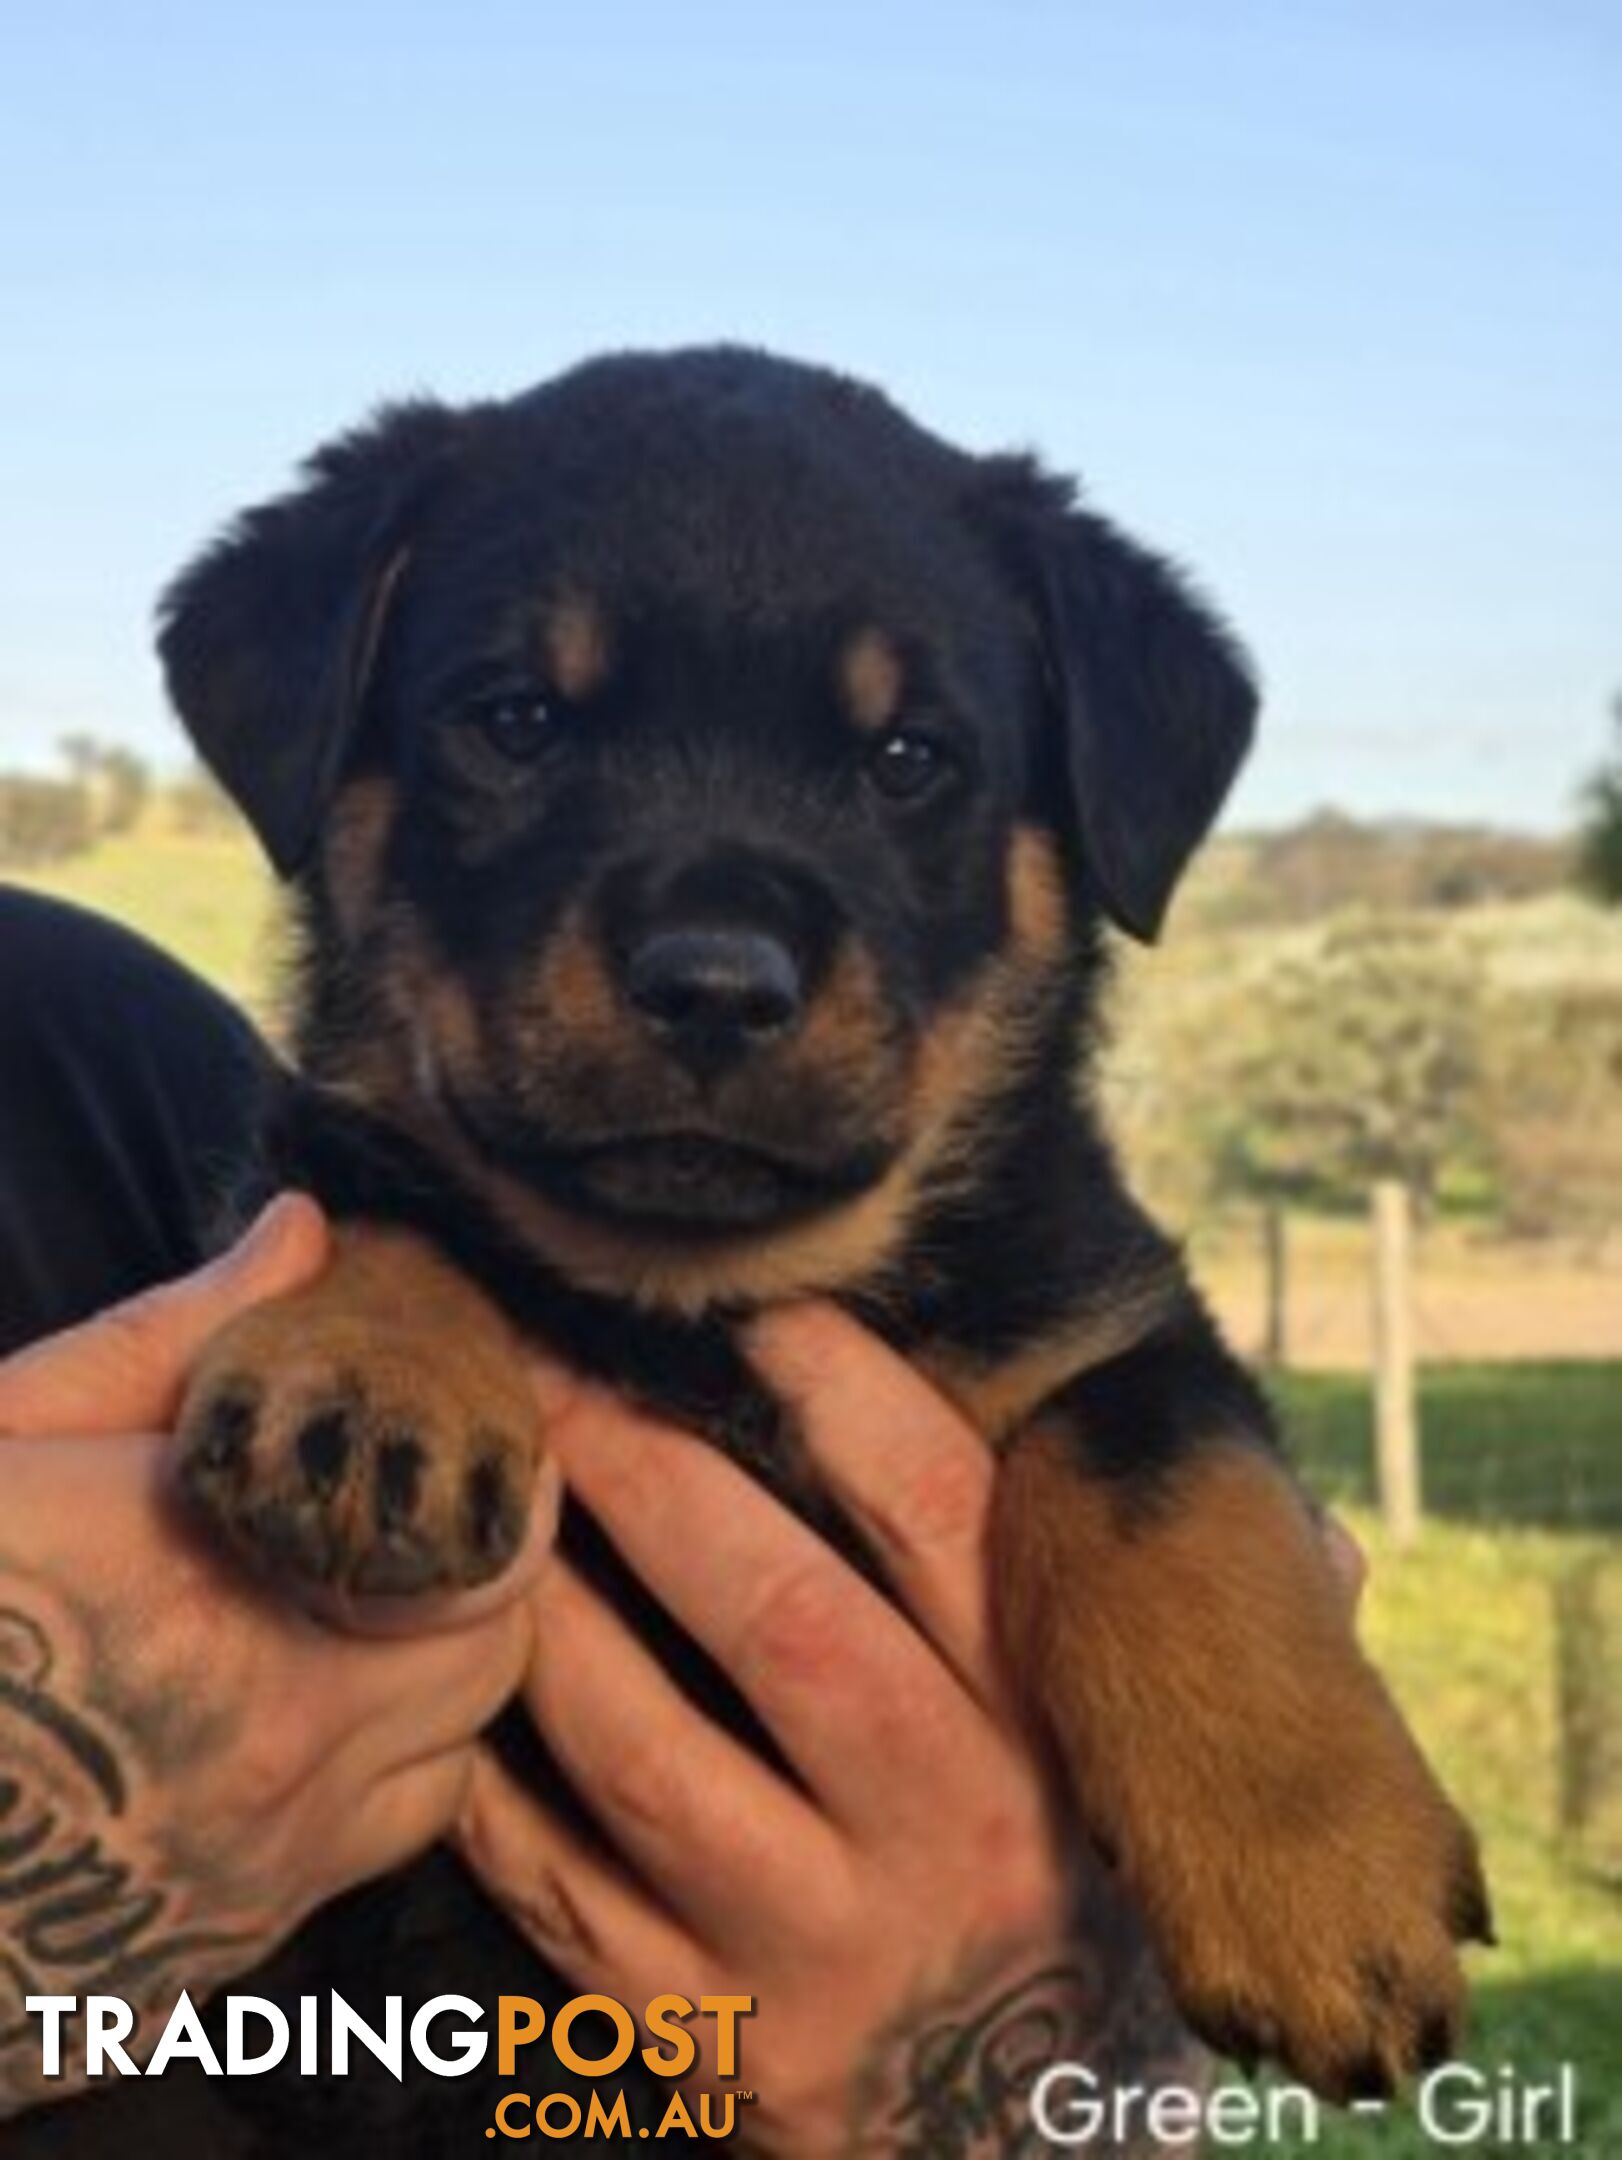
75	1918
955	2083
968	2076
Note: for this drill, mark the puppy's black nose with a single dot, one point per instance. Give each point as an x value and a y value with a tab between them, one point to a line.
715	993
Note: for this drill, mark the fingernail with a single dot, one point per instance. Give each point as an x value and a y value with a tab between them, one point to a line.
264	1228
761	1330
267	1228
778	1338
553	1386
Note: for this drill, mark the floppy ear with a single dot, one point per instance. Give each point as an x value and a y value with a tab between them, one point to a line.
1156	701
269	638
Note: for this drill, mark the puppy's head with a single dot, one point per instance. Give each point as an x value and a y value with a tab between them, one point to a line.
704	786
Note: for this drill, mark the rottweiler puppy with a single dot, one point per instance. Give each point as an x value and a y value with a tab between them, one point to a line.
706	795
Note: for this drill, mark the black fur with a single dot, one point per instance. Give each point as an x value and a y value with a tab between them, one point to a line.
733	519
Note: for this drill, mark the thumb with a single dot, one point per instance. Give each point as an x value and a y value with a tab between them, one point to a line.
124	1370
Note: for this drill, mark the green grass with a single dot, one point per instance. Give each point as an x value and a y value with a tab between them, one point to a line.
1463	1626
1523	1484
1538	1445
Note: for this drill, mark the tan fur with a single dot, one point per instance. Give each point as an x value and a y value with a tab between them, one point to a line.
1036	894
575	994
844	1043
399	1344
870	680
973	1050
353	841
391	1276
857	1242
576	646
1000	1396
1191	1654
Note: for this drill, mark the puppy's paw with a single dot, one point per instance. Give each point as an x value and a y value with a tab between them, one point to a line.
1331	1951
336	1448
1305	1877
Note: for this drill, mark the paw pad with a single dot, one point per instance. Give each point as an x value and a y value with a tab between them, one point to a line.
324	1446
324	1475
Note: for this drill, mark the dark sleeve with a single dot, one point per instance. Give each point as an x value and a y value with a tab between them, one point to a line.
128	1096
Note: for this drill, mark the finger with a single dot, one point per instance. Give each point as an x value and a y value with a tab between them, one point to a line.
557	1387
395	1821
693	1810
583	1913
857	1699
124	1370
400	1699
904	1464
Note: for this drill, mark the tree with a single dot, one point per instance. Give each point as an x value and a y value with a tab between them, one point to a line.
115	781
201	806
42	821
1599	839
1554	1108
126	786
82	756
1359	1060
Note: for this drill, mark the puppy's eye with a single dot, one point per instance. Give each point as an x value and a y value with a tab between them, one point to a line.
905	764
518	723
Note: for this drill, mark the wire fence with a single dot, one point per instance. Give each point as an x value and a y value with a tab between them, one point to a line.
1516	1372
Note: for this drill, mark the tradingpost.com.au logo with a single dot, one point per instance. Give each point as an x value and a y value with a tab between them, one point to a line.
447	2038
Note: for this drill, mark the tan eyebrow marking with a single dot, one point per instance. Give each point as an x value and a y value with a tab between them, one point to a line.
870	677
576	646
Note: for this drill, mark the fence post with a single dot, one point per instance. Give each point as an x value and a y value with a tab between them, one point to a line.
1396	1431
1588	1637
1274	1264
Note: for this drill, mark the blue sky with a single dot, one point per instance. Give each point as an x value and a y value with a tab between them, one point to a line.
1326	298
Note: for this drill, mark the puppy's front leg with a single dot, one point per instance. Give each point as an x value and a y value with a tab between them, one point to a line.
371	1433
1167	1602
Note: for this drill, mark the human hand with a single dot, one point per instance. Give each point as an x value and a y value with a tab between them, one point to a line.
916	1932
204	1764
